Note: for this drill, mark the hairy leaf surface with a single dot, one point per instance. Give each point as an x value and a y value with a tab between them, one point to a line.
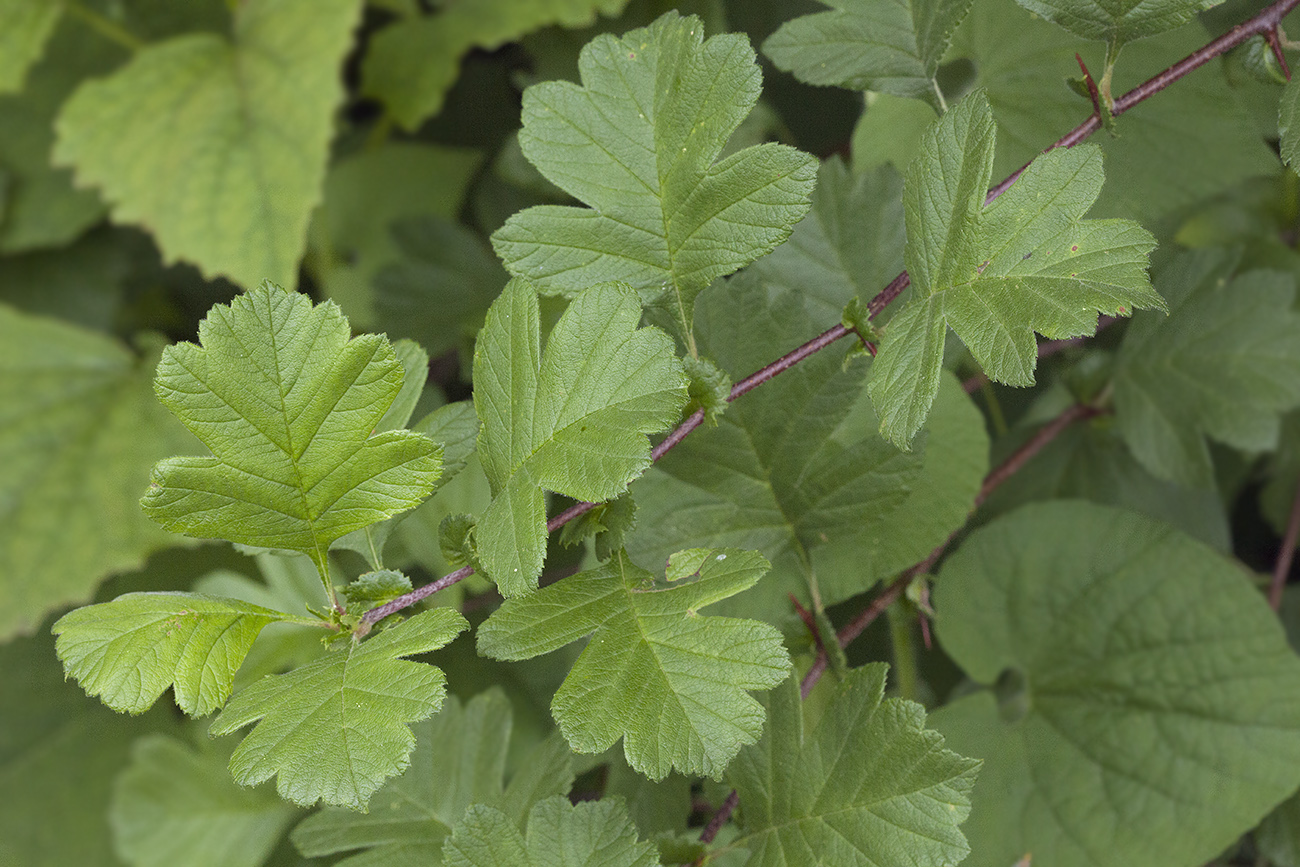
218	147
1147	701
559	834
822	797
287	402
669	682
459	760
572	419
413	63
79	429
335	729
131	649
177	805
890	46
1224	364
1028	262
639	142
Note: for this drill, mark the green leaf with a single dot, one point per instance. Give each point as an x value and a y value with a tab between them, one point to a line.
79	430
824	798
440	289
59	754
1117	21
286	402
130	650
1288	124
669	682
1028	262
369	193
412	64
850	245
638	142
177	805
892	47
25	27
459	760
559	834
1278	836
797	470
1155	718
1224	364
217	147
572	419
305	719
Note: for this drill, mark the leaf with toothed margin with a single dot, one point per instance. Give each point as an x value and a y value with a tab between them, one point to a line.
996	274
335	729
572	419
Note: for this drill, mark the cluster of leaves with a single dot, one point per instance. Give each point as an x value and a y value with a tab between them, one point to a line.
367	310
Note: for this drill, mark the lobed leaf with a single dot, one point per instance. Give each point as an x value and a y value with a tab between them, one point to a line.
1028	262
130	650
559	834
25	27
287	403
572	419
335	729
79	430
669	682
177	805
459	760
1224	364
823	797
639	141
889	46
218	147
1146	699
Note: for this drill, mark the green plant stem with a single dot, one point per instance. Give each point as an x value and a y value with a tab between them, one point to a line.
903	642
105	27
1282	568
1266	21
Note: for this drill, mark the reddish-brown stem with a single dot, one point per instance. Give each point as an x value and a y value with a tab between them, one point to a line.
720	818
1092	85
1282	568
992	481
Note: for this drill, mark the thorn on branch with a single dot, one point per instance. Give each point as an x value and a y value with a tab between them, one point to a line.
1274	39
1093	94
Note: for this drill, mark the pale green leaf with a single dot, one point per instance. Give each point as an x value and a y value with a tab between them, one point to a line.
287	402
79	429
335	729
367	194
638	141
870	786
1147	701
560	834
130	650
890	46
459	760
25	27
849	245
572	419
218	147
1028	262
177	805
413	63
797	470
887	132
1118	21
1224	364
669	682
